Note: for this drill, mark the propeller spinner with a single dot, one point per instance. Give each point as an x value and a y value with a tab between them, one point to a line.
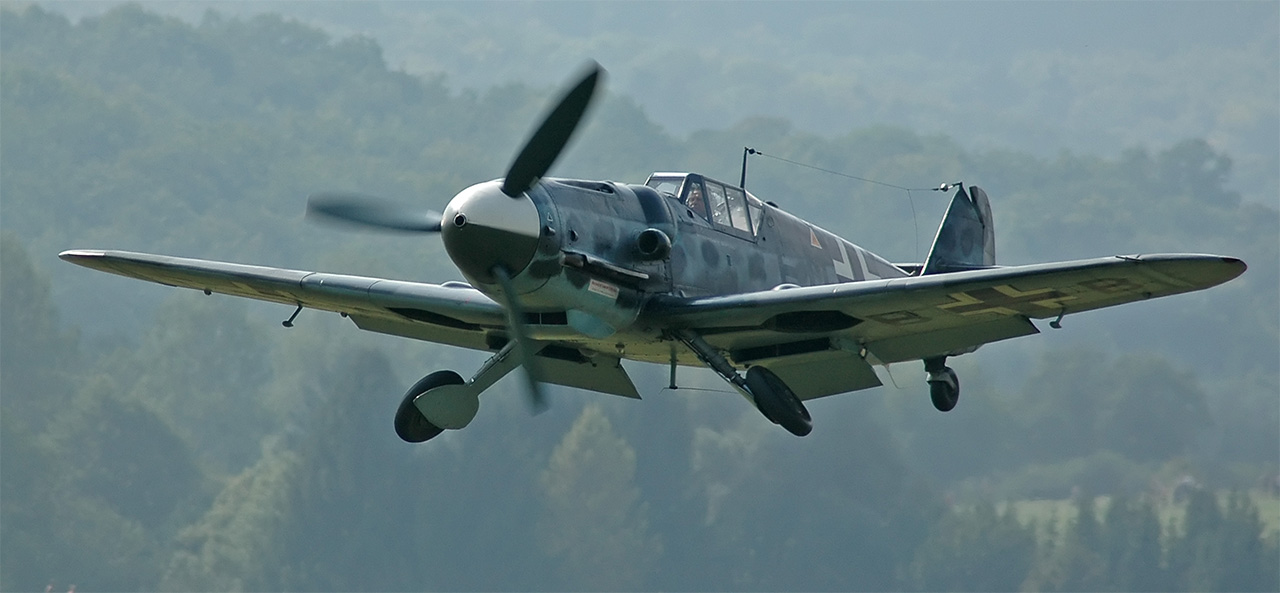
484	228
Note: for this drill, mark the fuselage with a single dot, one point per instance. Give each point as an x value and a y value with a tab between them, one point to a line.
757	246
585	256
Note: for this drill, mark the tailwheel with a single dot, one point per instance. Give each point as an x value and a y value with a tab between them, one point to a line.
944	385
777	402
411	425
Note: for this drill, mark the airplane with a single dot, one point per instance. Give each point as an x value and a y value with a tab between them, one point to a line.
568	277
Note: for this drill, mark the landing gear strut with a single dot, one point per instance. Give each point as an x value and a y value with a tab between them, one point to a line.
443	401
944	385
769	393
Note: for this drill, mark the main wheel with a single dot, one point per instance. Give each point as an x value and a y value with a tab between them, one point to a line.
945	392
777	402
411	425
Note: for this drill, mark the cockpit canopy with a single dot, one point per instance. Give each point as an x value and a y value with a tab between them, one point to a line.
730	208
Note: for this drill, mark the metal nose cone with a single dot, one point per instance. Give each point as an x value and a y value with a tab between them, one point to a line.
483	227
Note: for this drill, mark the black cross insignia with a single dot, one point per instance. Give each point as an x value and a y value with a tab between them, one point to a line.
1004	300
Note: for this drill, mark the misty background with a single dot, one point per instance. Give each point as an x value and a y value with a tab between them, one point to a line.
155	438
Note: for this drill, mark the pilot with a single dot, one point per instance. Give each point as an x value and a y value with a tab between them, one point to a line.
694	201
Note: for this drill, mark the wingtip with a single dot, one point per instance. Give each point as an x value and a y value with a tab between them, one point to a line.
1236	262
1238	267
1227	267
80	255
1199	269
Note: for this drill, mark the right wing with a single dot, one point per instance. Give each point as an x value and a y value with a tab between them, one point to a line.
910	305
458	316
822	339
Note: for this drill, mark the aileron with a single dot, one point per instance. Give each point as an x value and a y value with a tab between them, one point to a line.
429	312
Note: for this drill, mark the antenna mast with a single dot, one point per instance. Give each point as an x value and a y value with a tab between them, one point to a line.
742	183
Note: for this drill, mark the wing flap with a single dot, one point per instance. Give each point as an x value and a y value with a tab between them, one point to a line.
398	326
598	373
914	346
819	374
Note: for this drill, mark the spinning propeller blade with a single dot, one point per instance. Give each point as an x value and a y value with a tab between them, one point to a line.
370	212
524	345
546	143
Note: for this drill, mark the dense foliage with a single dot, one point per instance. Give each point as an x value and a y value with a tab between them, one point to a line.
183	444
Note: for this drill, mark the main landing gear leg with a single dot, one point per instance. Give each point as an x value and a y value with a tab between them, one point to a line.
944	385
442	400
769	393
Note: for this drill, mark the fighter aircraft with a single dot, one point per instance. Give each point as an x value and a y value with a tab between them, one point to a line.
568	277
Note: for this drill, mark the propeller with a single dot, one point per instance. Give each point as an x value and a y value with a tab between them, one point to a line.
531	163
524	345
372	212
546	143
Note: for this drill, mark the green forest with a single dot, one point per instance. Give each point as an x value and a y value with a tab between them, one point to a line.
158	439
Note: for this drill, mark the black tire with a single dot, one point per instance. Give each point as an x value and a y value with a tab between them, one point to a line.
411	425
943	395
777	402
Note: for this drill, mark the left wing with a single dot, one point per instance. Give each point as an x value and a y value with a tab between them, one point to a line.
445	314
818	333
458	316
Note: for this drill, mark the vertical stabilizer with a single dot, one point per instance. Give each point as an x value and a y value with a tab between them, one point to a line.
966	239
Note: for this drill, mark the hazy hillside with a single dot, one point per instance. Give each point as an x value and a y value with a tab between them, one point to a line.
163	440
1095	78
